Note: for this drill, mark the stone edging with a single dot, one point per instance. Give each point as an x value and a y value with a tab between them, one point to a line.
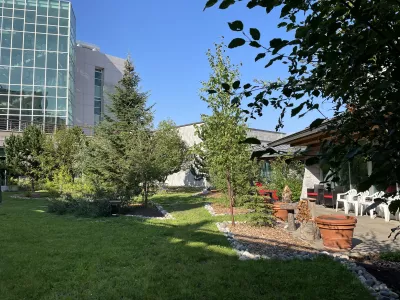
377	289
167	215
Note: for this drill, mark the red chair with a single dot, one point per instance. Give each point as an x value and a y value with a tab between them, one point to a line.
311	193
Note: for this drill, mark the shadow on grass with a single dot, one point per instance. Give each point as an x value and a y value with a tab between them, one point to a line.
56	257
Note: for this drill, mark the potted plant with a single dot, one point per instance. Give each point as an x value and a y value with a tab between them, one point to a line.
336	231
286	198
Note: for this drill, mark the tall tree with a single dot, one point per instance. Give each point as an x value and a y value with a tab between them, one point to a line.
128	103
342	52
225	157
23	153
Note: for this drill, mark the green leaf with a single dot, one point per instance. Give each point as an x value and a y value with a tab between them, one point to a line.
316	123
260	56
252	4
235	101
279	57
237	42
212	91
251	140
236	25
255	34
265	102
297	109
210	3
255	44
226	86
236	84
315	93
282	24
247	86
226	3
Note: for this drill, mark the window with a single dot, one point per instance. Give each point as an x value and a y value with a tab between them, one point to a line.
98	94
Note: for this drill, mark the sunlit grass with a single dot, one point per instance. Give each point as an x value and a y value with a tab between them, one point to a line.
46	256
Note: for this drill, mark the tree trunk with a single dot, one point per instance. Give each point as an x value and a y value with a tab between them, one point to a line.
145	193
33	185
230	195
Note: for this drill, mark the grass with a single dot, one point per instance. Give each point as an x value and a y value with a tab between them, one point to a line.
46	256
391	256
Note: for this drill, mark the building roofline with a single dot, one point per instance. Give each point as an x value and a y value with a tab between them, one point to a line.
255	129
297	135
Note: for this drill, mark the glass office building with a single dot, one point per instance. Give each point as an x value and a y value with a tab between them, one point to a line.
37	63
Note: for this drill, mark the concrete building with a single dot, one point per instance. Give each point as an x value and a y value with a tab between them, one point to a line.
187	132
96	75
45	76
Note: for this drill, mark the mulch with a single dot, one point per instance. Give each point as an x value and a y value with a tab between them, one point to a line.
140	210
385	271
220	209
269	240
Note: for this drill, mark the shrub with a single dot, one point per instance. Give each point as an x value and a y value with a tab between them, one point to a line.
80	207
290	174
262	214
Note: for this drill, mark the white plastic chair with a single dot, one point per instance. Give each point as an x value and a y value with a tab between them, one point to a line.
356	200
369	200
344	197
385	207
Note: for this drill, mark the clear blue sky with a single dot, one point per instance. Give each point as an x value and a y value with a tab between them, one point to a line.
168	41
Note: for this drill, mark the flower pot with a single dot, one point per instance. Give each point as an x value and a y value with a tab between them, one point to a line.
278	212
336	231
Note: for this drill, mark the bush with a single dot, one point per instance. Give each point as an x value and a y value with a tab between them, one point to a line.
290	174
80	207
263	212
391	256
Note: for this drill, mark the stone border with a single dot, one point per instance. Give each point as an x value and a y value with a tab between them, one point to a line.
377	289
166	215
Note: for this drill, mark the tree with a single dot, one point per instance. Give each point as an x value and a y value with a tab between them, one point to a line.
227	160
107	157
342	52
23	153
157	154
62	149
128	103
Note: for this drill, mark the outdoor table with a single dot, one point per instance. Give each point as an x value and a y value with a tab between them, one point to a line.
290	207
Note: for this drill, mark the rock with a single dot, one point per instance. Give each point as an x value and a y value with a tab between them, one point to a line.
385	293
360	272
376	287
345	257
383	286
362	279
265	257
325	253
248	255
243	257
370	282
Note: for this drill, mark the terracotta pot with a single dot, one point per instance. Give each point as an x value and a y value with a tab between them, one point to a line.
278	212
336	230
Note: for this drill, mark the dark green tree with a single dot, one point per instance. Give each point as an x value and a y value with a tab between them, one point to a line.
23	153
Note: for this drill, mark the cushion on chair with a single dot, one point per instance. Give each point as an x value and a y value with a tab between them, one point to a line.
328	196
312	194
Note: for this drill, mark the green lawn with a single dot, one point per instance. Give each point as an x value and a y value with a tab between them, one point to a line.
46	256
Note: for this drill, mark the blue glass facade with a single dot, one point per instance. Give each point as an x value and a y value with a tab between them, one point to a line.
37	62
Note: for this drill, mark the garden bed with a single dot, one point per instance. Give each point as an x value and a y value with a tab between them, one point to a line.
143	211
270	241
385	271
